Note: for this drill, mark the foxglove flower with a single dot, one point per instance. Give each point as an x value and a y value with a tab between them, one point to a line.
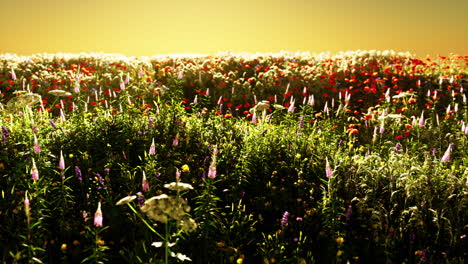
98	216
328	169
421	120
144	183
13	74
61	162
175	142
382	127
446	157
34	171
212	172
254	118
152	150
291	108
27	206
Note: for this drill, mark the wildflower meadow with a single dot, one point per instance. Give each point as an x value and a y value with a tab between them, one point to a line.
357	157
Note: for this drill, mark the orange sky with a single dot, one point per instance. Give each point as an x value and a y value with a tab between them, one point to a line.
150	27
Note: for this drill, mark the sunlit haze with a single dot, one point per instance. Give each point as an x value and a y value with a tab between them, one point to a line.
150	27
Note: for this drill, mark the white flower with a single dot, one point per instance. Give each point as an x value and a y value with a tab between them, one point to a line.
180	256
126	200
59	93
178	186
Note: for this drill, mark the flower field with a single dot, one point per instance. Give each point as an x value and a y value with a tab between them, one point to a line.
357	157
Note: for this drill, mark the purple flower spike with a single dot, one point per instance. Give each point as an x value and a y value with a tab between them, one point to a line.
284	219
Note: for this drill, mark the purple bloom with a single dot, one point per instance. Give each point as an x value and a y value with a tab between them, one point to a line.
140	198
99	178
299	219
150	123
284	219
52	123
301	122
5	134
349	212
397	147
78	174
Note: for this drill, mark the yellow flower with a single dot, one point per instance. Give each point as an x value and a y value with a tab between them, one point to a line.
185	168
340	240
339	253
63	247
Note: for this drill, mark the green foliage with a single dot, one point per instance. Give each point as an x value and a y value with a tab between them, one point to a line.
351	193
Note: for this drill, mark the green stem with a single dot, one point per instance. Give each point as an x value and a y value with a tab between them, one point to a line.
144	221
166	245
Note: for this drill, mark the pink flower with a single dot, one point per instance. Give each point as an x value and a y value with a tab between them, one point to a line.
328	169
175	142
152	150
212	172
34	171
291	108
144	183
27	206
61	162
36	147
421	120
98	216
446	157
382	127
13	75
181	75
254	118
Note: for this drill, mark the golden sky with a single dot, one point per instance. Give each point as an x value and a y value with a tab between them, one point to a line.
151	27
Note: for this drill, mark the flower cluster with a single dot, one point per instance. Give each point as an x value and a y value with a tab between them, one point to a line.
163	208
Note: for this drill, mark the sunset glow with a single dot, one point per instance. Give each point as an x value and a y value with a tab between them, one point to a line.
150	27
